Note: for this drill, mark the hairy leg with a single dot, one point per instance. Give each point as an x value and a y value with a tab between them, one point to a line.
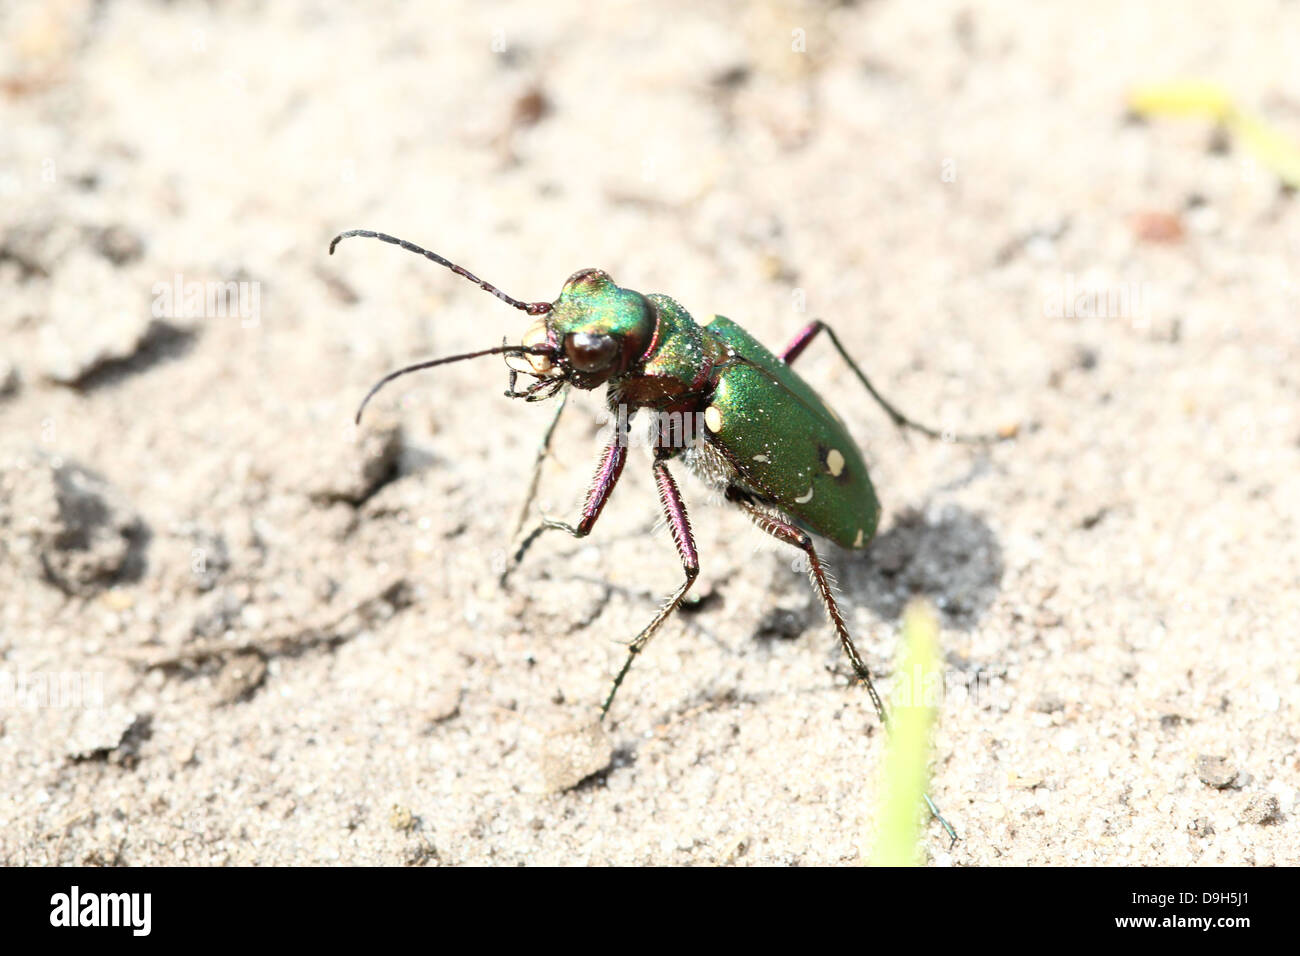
810	332
602	485
680	526
784	530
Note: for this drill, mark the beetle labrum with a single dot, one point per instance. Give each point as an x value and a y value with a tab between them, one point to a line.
769	442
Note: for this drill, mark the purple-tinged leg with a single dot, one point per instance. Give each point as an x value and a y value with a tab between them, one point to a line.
611	466
809	332
680	526
806	335
783	530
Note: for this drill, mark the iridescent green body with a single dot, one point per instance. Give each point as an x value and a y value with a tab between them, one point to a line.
767	431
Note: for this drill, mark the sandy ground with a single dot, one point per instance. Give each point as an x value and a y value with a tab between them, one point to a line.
235	630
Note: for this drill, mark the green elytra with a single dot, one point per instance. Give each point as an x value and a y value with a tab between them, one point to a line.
767	439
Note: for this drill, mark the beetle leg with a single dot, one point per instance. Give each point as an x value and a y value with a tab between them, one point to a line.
543	450
602	485
783	530
800	342
809	332
680	526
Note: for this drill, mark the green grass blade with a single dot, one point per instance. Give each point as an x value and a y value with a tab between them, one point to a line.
907	759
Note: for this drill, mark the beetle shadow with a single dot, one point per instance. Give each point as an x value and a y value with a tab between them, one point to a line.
950	556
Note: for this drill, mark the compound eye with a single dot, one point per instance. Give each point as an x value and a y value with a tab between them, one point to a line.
589	352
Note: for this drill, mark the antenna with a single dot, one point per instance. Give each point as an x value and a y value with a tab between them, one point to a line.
532	308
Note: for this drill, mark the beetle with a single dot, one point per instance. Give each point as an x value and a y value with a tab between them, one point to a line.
767	441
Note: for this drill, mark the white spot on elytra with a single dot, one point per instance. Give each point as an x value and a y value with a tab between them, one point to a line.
713	419
834	462
857	542
805	498
763	458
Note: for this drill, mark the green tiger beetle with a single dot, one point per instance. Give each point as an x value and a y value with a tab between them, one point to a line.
768	441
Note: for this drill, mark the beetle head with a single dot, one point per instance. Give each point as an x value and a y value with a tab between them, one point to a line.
595	331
